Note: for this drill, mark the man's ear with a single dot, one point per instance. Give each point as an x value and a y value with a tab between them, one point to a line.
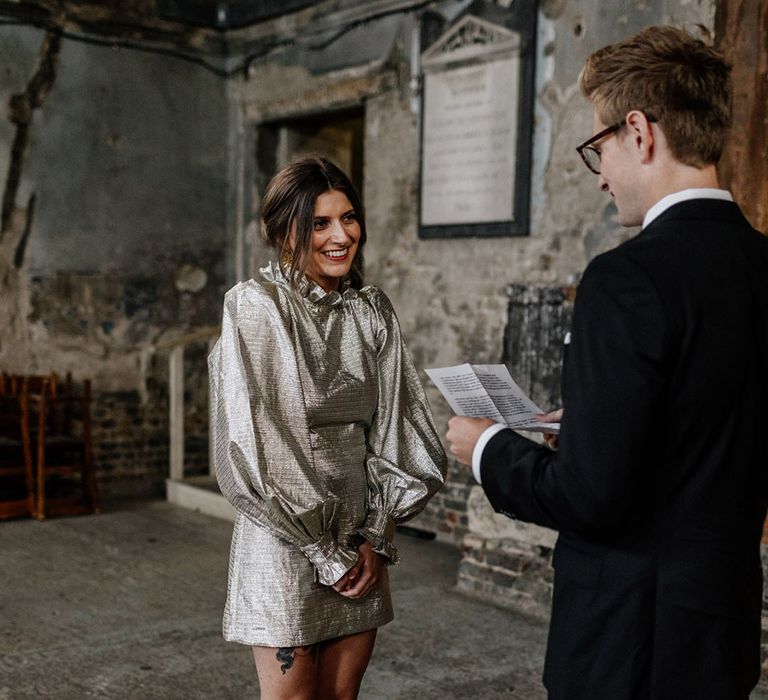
641	133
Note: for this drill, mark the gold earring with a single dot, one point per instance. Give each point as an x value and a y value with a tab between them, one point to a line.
286	259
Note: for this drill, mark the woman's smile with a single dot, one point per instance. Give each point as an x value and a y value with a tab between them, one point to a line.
338	255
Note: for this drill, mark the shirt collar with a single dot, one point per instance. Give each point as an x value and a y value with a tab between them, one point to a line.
307	288
676	197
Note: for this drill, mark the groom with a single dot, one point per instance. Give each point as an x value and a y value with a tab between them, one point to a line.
659	484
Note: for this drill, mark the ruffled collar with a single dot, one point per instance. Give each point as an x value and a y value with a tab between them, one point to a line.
306	287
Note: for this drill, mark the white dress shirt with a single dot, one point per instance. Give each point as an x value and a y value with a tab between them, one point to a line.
683	195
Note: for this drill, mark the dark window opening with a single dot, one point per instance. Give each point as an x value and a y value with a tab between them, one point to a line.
338	136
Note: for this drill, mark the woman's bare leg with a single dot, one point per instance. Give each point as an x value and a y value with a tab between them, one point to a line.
287	673
341	665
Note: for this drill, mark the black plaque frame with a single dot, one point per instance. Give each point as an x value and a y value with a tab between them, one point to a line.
520	17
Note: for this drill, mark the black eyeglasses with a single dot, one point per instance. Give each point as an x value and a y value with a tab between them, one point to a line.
590	155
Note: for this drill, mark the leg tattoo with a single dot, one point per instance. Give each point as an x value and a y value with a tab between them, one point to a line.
285	656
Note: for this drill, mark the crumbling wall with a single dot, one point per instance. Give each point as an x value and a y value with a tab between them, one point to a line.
127	165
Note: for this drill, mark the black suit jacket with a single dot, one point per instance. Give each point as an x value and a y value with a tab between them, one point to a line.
660	483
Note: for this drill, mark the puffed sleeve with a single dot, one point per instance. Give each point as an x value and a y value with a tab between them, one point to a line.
263	458
405	464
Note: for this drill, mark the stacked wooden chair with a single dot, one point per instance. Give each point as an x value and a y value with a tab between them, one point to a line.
54	432
17	476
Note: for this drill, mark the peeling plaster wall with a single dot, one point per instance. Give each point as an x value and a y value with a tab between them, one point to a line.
129	160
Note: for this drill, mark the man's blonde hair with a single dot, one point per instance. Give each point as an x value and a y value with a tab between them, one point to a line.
672	77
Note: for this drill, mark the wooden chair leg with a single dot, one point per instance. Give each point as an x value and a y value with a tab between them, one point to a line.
40	507
29	476
89	470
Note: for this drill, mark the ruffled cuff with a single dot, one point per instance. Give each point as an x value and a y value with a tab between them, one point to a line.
331	562
379	530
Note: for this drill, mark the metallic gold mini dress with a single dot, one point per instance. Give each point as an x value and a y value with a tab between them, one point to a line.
323	438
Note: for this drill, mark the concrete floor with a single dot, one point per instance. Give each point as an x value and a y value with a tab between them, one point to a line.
128	605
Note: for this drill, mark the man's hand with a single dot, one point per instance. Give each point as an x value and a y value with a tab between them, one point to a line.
552	417
463	433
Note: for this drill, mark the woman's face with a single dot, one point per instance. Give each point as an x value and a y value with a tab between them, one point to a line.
335	237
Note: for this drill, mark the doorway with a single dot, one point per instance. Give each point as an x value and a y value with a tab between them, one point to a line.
338	136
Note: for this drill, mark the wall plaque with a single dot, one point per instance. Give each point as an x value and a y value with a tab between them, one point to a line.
476	133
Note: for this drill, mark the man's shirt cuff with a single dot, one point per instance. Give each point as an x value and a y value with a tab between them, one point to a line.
477	453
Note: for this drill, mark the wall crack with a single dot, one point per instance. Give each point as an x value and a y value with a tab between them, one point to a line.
21	107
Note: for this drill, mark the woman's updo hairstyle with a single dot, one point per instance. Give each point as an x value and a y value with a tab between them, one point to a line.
289	201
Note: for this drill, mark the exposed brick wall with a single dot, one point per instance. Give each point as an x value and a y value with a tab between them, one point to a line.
510	573
446	513
130	442
196	409
130	432
103	326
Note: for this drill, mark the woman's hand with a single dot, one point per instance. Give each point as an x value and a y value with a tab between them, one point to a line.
364	575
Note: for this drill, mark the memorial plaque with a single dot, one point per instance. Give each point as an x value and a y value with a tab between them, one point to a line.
470	134
474	166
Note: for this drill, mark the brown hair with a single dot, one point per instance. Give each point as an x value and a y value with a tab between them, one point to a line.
289	201
671	76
